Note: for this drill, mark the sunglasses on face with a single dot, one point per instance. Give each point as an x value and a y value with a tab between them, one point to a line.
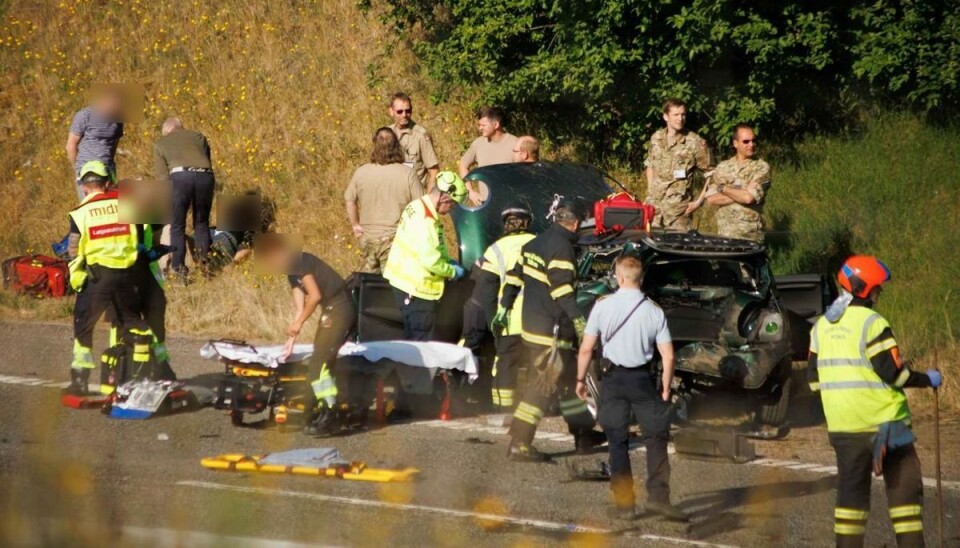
404	111
748	141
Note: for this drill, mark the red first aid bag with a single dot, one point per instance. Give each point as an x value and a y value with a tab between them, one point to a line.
38	275
621	211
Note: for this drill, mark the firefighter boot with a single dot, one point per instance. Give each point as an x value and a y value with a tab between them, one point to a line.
325	423
78	381
523	452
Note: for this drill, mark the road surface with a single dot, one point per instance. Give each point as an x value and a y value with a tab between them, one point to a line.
77	478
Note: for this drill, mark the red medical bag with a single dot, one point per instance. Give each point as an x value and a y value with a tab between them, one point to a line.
38	275
621	211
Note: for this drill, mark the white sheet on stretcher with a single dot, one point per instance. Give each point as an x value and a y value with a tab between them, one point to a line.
430	355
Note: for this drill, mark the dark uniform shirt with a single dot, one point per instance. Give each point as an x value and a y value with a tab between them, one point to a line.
180	148
332	287
547	272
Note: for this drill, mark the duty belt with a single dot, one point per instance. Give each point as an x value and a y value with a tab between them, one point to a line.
191	170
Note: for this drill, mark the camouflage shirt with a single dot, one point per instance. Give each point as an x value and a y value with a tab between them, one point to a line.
738	220
417	148
669	190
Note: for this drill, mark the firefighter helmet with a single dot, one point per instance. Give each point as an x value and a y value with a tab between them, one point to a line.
861	273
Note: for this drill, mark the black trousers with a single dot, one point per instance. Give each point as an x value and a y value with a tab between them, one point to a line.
328	340
106	288
904	485
626	393
509	358
191	190
475	330
153	302
419	316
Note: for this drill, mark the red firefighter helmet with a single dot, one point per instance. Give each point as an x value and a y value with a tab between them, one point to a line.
861	273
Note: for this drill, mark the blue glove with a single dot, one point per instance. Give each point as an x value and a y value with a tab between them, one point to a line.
458	272
154	253
936	379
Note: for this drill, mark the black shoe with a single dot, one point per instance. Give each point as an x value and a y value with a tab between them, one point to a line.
521	452
78	382
667	510
325	424
586	441
624	513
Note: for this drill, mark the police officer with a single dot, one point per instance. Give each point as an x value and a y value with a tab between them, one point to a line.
103	255
675	155
856	366
489	276
419	265
630	327
546	271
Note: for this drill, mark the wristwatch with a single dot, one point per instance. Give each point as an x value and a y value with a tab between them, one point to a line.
584	380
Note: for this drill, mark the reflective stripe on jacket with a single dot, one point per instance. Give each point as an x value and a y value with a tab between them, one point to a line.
855	398
500	258
418	263
104	240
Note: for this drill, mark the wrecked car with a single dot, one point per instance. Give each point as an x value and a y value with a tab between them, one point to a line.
736	328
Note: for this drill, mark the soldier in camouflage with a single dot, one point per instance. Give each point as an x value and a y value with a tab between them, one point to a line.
675	155
738	188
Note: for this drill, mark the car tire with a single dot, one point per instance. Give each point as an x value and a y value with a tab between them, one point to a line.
773	412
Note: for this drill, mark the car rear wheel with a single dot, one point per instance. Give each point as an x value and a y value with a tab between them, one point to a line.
773	412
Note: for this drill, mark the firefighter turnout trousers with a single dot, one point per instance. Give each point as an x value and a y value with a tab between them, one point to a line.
901	475
535	402
510	354
105	287
326	344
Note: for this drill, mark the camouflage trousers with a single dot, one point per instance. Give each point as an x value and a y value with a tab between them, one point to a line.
671	201
374	250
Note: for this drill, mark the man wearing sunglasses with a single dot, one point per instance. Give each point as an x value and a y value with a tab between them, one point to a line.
738	188
414	140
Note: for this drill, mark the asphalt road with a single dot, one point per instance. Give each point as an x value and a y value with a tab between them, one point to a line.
77	478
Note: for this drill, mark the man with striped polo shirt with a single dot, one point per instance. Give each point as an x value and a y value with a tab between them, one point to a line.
95	132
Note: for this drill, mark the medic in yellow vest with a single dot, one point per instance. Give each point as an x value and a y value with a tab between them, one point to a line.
103	253
856	366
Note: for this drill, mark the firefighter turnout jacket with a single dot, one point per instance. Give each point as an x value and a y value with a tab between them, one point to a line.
491	278
855	364
546	272
418	263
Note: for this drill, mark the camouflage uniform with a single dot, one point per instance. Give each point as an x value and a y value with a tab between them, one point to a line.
670	190
374	251
417	149
738	220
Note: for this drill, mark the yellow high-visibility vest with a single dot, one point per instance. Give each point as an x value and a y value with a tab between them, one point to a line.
104	240
418	263
499	259
855	398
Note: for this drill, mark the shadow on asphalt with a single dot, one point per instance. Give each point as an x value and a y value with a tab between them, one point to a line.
717	514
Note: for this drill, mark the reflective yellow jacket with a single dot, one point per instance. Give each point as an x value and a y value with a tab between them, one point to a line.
418	263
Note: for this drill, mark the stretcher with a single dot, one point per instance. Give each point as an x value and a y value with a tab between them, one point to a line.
356	471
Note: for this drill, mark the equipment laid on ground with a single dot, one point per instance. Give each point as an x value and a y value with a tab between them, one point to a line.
702	442
143	398
38	275
322	462
621	211
255	381
93	399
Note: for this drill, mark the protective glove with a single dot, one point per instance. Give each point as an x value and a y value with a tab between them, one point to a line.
458	272
501	321
153	254
580	325
936	379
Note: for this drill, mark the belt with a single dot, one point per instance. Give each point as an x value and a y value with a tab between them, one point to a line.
191	170
625	368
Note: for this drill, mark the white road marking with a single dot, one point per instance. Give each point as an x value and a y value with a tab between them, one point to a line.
493	518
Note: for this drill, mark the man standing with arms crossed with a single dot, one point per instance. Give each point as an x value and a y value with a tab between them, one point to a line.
738	188
414	140
630	327
675	155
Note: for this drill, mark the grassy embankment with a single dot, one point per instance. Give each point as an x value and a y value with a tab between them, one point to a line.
285	94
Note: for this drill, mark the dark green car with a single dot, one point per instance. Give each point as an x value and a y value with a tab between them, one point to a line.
736	328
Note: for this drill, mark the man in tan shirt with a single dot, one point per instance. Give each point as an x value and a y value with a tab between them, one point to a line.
376	196
494	146
414	140
527	150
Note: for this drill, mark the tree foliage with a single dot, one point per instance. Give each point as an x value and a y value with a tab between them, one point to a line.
597	71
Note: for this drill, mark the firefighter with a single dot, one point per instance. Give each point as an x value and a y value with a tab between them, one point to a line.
103	255
489	276
419	265
856	366
551	326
